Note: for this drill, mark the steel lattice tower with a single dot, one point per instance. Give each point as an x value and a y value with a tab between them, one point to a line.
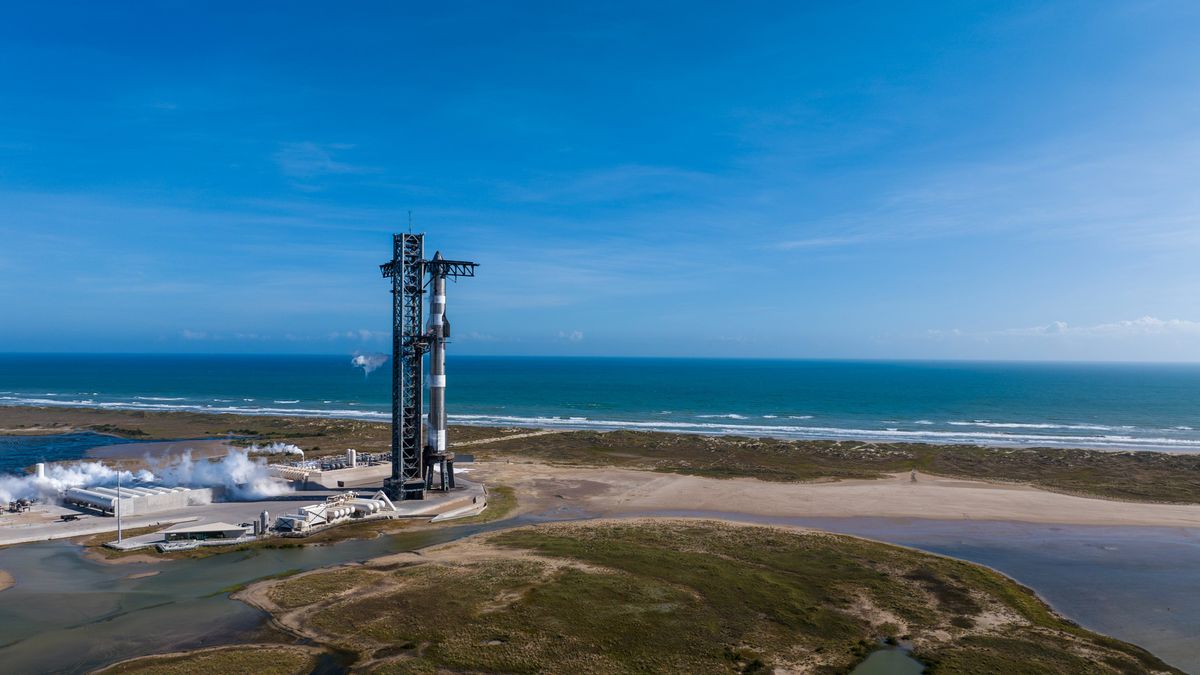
410	341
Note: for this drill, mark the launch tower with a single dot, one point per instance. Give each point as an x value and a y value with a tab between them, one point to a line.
416	454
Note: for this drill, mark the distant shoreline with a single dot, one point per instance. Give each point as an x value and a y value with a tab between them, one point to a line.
1143	476
993	440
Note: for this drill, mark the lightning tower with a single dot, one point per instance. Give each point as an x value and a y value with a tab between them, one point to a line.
415	455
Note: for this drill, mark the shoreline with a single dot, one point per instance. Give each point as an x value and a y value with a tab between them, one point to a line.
525	428
1135	478
983	439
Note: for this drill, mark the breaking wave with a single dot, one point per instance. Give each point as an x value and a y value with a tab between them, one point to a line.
975	432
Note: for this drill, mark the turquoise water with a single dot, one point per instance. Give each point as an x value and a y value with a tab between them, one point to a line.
1111	406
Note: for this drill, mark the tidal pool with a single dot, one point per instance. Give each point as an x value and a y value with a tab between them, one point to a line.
889	661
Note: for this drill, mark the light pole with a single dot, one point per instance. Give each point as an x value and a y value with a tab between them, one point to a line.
118	509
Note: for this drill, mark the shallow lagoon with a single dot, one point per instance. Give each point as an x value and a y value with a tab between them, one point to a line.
1139	584
70	614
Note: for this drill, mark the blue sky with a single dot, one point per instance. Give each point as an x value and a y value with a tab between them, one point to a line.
874	180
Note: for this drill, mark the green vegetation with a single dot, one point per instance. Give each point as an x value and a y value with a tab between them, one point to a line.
682	596
1137	476
316	436
501	503
263	659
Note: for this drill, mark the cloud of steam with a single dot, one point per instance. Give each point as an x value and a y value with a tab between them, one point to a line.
275	448
240	475
60	477
368	362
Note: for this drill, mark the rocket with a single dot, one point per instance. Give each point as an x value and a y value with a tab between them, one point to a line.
439	332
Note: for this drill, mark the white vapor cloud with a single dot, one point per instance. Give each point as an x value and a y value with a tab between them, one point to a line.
368	362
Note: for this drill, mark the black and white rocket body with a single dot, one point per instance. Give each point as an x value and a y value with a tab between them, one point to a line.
439	332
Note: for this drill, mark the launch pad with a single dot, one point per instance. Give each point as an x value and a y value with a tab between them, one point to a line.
418	449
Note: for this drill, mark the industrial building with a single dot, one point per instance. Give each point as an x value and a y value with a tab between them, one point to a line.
205	532
138	500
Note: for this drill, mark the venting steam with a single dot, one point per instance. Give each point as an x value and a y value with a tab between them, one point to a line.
368	362
241	476
275	448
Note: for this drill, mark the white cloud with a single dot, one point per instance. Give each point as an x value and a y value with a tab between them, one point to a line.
1146	325
361	334
572	336
194	334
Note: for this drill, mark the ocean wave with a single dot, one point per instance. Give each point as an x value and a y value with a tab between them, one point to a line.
158	398
727	416
841	433
295	401
982	434
197	407
1037	425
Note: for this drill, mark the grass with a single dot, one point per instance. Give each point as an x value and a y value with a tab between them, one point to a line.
315	435
1135	476
263	659
501	503
685	596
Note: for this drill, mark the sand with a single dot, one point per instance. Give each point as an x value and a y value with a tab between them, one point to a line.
614	492
6	581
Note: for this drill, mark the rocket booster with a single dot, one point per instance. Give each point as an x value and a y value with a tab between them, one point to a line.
439	330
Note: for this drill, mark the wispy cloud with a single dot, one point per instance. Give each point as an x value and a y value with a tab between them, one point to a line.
822	242
629	181
362	335
309	160
1146	326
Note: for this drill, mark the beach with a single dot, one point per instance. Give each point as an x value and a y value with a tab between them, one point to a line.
617	491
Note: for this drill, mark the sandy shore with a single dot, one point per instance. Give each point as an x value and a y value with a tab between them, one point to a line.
614	492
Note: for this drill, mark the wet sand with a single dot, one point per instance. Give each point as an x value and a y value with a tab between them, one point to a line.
607	491
6	581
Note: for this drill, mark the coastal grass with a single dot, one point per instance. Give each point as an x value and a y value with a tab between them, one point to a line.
683	596
1129	475
264	659
316	436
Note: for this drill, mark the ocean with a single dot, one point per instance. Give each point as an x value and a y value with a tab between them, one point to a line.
1107	406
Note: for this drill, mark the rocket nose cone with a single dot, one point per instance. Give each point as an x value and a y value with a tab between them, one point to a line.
437	255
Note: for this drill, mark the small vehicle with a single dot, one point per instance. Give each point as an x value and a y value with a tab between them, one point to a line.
69	517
